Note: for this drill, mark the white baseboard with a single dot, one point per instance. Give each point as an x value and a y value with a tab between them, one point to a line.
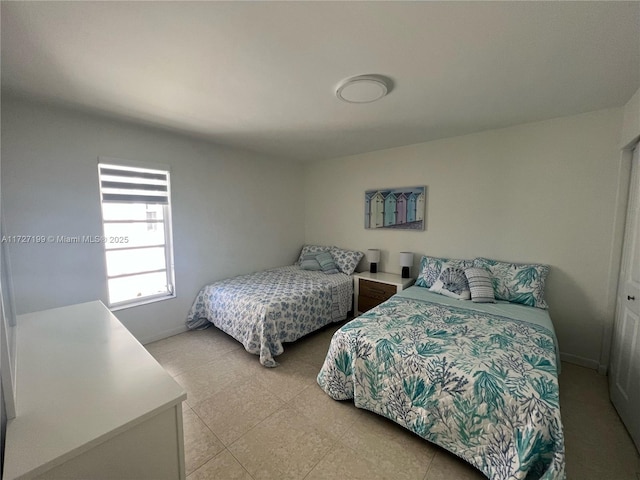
583	362
164	334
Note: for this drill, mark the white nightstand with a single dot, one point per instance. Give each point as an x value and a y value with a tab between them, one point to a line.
371	289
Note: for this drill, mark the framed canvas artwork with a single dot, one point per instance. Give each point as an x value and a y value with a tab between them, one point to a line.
395	208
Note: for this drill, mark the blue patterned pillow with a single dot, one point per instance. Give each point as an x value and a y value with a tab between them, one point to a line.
346	260
517	282
309	249
452	283
327	263
310	262
430	268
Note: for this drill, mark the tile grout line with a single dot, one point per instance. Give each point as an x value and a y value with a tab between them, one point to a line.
426	475
284	404
333	447
247	432
239	463
212	433
256	425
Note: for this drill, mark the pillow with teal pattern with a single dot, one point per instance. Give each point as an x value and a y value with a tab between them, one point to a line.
430	268
452	283
310	262
327	264
346	260
517	282
311	249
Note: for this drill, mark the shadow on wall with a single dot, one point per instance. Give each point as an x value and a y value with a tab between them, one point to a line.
574	315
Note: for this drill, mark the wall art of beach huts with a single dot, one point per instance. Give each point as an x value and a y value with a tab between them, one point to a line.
395	208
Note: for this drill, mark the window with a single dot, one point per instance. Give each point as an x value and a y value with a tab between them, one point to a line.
136	219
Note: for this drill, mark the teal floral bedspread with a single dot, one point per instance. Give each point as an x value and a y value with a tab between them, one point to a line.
481	385
264	309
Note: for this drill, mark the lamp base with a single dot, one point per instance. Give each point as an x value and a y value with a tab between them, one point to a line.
405	272
373	267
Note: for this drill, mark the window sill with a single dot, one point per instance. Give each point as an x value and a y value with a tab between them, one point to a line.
138	303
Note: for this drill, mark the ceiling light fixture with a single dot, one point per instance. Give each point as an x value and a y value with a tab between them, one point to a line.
363	88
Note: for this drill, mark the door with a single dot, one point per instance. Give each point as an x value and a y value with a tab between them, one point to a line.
624	378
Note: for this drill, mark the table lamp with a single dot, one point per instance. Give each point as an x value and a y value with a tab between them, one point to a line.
406	262
373	255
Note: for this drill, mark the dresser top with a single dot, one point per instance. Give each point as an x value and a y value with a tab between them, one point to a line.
385	277
82	378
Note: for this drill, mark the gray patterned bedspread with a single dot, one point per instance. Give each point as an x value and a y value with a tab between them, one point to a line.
480	381
264	309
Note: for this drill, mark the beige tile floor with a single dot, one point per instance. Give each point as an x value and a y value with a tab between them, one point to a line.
244	421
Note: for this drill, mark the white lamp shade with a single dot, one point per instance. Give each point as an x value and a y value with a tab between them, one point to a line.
406	259
373	255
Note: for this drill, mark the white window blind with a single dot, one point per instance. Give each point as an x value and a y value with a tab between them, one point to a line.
136	219
133	185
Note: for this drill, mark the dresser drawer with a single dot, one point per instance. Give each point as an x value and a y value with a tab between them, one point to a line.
367	303
377	290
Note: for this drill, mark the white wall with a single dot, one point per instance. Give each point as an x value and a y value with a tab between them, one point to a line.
542	192
233	212
631	122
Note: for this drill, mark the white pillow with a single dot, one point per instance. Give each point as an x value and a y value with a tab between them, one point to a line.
452	282
480	285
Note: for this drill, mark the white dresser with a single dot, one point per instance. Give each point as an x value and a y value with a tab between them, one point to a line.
91	402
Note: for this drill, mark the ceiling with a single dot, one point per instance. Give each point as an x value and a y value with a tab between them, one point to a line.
262	75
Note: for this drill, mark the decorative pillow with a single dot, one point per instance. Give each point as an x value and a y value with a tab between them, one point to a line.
430	268
310	262
308	249
327	264
346	260
517	282
452	283
480	285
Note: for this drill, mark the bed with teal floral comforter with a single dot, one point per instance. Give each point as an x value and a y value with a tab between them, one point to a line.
264	309
480	380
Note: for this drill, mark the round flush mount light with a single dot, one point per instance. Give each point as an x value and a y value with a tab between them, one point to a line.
363	88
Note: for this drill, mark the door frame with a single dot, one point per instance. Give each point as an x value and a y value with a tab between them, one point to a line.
615	252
